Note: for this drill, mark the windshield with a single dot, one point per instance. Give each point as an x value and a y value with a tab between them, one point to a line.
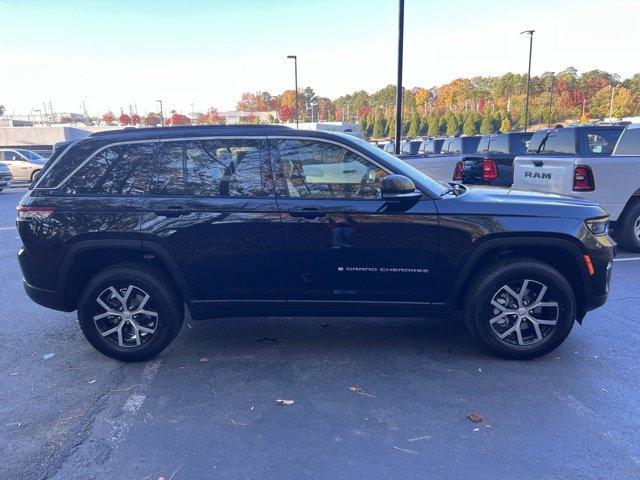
29	155
401	167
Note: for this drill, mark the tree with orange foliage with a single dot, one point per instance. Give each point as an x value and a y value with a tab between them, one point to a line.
108	118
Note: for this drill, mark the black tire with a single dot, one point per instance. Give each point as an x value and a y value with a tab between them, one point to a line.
625	230
488	285
163	300
34	176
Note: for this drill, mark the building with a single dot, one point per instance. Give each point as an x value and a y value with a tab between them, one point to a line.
341	127
232	117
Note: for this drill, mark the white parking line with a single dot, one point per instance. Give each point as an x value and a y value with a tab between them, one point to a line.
7	228
626	259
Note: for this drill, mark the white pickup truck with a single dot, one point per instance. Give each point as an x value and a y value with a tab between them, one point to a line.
612	180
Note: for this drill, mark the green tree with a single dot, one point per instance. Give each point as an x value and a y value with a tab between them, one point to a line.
378	127
2	109
414	126
452	125
434	126
469	127
486	126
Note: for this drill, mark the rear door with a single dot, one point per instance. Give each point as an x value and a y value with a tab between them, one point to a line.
346	248
214	213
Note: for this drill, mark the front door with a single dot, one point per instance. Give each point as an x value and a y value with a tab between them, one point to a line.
214	211
346	248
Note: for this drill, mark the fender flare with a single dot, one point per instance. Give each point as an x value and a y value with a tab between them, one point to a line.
520	241
139	246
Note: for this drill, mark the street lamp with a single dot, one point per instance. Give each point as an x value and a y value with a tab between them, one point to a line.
526	103
396	147
161	113
295	67
553	77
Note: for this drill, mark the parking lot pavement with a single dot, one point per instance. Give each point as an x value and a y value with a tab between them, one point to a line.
373	398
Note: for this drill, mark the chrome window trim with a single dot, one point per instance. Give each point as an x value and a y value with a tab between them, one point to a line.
213	137
35	185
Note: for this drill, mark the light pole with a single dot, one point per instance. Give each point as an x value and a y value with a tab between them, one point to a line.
295	69
396	147
553	77
526	103
161	113
613	92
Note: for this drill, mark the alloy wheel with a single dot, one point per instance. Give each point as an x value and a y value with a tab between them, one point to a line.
636	228
126	316
523	313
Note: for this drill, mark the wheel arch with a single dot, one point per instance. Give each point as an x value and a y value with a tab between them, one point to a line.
84	259
562	253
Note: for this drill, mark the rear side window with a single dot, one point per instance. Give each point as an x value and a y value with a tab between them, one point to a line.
453	146
536	141
227	168
629	142
563	141
170	176
117	170
602	142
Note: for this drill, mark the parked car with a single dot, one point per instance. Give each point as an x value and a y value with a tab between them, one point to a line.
44	153
613	181
23	164
127	227
492	163
410	147
431	146
5	177
442	166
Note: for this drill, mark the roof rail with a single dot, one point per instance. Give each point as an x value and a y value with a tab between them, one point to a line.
134	130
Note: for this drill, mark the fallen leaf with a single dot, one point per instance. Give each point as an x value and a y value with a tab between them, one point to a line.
476	429
204	360
92	381
360	391
284	402
47	356
412	452
475	417
238	424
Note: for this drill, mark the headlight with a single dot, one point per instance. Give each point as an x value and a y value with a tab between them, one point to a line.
598	226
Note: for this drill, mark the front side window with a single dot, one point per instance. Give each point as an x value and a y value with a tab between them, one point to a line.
312	169
602	142
227	168
117	170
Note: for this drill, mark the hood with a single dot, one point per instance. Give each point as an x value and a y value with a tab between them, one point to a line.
509	201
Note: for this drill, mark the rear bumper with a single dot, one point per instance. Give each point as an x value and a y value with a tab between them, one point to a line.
47	298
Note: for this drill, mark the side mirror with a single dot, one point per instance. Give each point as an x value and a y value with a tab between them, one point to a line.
399	187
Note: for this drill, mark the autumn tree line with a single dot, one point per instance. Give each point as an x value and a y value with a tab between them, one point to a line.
463	106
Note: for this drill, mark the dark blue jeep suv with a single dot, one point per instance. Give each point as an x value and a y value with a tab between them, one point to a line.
131	227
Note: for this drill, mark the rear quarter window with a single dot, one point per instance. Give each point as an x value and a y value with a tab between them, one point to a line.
117	170
629	143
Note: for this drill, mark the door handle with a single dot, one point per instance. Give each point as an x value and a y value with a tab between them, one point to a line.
173	211
308	213
538	163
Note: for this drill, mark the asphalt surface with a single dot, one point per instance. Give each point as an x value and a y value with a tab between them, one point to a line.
207	408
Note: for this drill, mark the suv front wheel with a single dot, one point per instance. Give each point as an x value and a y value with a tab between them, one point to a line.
130	312
521	308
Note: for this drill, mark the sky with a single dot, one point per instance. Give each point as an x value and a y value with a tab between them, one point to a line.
110	54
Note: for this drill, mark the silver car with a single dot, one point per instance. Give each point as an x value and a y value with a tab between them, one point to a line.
23	164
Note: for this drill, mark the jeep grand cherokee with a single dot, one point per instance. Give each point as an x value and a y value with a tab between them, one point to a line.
131	227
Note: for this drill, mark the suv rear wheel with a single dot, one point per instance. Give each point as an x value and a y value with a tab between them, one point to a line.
130	312
628	233
520	309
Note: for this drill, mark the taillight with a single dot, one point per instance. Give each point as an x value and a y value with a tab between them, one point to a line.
457	173
489	170
583	179
27	213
